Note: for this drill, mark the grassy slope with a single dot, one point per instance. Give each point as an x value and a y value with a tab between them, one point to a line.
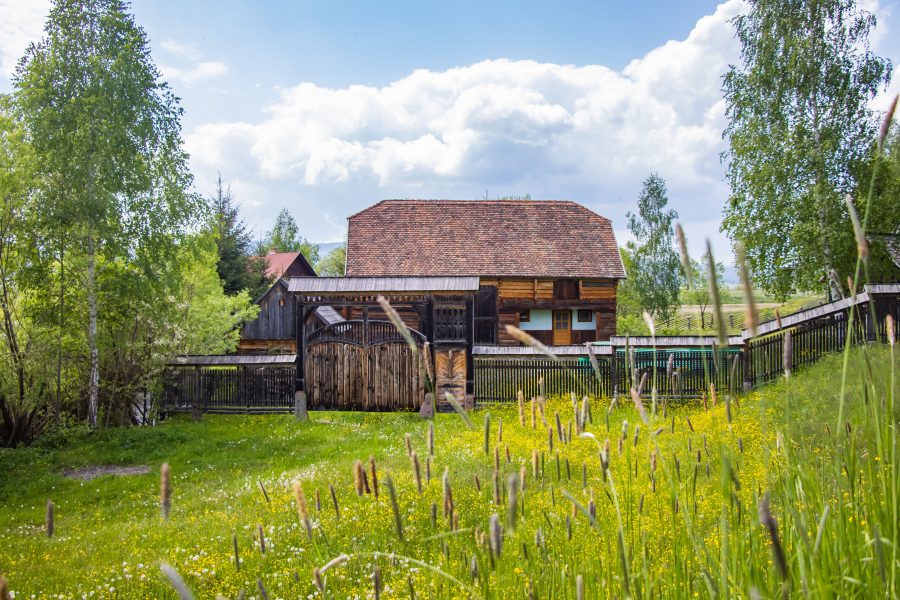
109	532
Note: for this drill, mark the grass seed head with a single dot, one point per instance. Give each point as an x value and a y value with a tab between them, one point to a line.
787	356
395	507
447	493
768	521
417	470
337	512
512	497
889	323
176	581
373	470
496	535
651	324
886	124
376	582
862	245
751	319
638	404
303	510
263	594
358	475
683	255
318	580
262	538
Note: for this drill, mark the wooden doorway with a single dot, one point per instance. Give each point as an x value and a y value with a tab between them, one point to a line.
450	375
562	327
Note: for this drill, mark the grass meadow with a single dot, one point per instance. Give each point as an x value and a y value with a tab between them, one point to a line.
766	495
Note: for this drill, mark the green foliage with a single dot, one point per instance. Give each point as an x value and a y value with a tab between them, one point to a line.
799	122
23	390
332	265
238	270
884	216
107	143
285	237
210	318
654	274
96	231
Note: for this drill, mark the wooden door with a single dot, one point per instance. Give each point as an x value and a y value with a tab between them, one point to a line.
562	327
450	376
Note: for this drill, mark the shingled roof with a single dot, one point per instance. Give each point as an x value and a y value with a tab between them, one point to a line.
530	238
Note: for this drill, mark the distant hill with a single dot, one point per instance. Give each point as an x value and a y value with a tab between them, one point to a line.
731	276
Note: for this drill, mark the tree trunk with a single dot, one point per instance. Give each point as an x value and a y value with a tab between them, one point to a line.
94	381
62	304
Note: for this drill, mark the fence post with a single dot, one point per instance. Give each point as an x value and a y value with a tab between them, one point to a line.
613	368
300	412
748	366
197	408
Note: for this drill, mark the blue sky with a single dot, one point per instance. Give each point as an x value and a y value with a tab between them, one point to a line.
328	107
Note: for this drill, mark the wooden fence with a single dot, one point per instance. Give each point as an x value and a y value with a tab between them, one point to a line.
229	389
500	379
688	372
266	383
678	373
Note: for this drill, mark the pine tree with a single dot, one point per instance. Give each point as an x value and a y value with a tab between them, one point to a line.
236	267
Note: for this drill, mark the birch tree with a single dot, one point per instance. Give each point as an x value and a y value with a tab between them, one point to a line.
799	121
106	135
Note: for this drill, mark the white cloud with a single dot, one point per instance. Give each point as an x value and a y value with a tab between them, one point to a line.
588	133
189	66
194	73
181	50
21	23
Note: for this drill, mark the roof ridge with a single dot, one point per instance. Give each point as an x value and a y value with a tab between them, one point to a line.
504	201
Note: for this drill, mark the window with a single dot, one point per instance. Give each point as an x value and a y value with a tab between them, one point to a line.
585	316
565	289
525	316
281	302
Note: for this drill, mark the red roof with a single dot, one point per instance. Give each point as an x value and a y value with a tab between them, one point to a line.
278	264
529	238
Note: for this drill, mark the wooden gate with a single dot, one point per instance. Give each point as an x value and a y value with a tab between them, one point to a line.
351	366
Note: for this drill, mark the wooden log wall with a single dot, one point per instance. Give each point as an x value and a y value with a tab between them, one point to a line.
515	294
276	318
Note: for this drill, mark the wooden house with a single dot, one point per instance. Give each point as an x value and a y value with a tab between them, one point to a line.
287	265
274	330
549	267
457	272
